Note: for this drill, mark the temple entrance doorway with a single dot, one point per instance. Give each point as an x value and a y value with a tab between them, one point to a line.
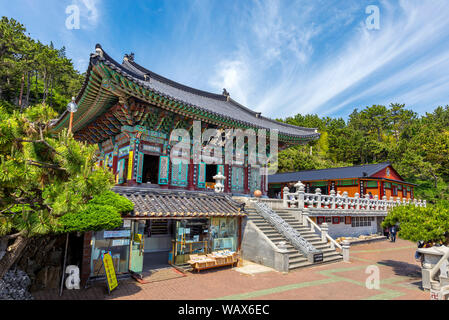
211	171
150	172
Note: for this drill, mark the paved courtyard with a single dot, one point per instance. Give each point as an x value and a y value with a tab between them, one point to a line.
399	274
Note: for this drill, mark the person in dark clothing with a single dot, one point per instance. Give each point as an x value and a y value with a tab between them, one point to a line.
418	256
387	232
393	231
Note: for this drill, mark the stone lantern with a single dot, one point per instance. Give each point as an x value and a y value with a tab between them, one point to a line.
219	186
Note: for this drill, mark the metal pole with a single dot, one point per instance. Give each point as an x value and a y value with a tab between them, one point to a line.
63	268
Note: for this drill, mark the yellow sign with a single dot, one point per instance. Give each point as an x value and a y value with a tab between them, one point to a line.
110	272
130	165
137	237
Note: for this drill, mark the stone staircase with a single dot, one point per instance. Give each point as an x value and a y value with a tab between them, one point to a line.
296	258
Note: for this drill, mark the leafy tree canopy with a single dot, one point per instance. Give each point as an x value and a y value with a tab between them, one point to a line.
47	182
430	224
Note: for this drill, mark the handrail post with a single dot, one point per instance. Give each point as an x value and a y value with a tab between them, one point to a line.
300	190
324	231
305	222
345	200
357	201
318	198
368	202
345	248
285	197
332	199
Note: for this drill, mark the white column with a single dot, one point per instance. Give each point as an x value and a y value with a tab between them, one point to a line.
285	197
345	248
324	232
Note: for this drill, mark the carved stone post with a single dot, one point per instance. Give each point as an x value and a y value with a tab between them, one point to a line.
376	202
300	191
392	202
338	200
305	222
324	231
345	248
357	201
345	200
368	202
332	199
318	198
285	198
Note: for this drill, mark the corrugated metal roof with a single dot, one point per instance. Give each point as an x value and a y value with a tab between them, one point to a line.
329	174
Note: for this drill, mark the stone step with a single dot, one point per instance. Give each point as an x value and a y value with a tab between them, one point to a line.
296	258
308	264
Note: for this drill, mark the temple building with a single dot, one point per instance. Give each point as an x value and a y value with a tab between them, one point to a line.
130	112
373	179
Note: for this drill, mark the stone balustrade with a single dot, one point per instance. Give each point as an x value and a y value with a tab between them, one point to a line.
300	199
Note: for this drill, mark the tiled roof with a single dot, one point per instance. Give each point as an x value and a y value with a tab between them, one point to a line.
212	102
174	203
329	174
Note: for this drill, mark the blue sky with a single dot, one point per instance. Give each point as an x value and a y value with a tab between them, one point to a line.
277	57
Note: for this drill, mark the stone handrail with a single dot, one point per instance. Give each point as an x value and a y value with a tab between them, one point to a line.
301	200
288	232
437	266
322	231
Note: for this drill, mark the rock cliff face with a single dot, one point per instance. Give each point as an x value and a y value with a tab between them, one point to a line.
42	260
40	265
15	285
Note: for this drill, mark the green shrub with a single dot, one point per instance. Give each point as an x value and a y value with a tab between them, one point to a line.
94	218
110	198
418	223
103	212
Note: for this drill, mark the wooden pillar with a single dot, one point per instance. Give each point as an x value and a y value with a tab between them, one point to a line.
227	170
245	180
115	159
190	182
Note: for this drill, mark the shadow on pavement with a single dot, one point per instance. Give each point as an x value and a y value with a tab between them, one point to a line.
404	269
96	291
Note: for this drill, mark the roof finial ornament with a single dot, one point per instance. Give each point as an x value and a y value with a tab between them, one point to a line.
99	50
226	94
129	57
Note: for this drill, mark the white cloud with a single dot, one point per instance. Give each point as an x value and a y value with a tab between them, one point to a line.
89	12
284	73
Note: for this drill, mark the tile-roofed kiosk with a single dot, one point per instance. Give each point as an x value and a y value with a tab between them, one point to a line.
130	113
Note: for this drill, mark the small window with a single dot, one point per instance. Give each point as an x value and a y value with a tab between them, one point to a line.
394	191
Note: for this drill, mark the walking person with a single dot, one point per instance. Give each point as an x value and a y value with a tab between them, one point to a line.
387	232
393	231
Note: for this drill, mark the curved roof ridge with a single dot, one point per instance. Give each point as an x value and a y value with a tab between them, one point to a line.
335	168
180	86
175	84
217	104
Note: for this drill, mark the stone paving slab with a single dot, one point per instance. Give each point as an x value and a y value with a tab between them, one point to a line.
399	279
